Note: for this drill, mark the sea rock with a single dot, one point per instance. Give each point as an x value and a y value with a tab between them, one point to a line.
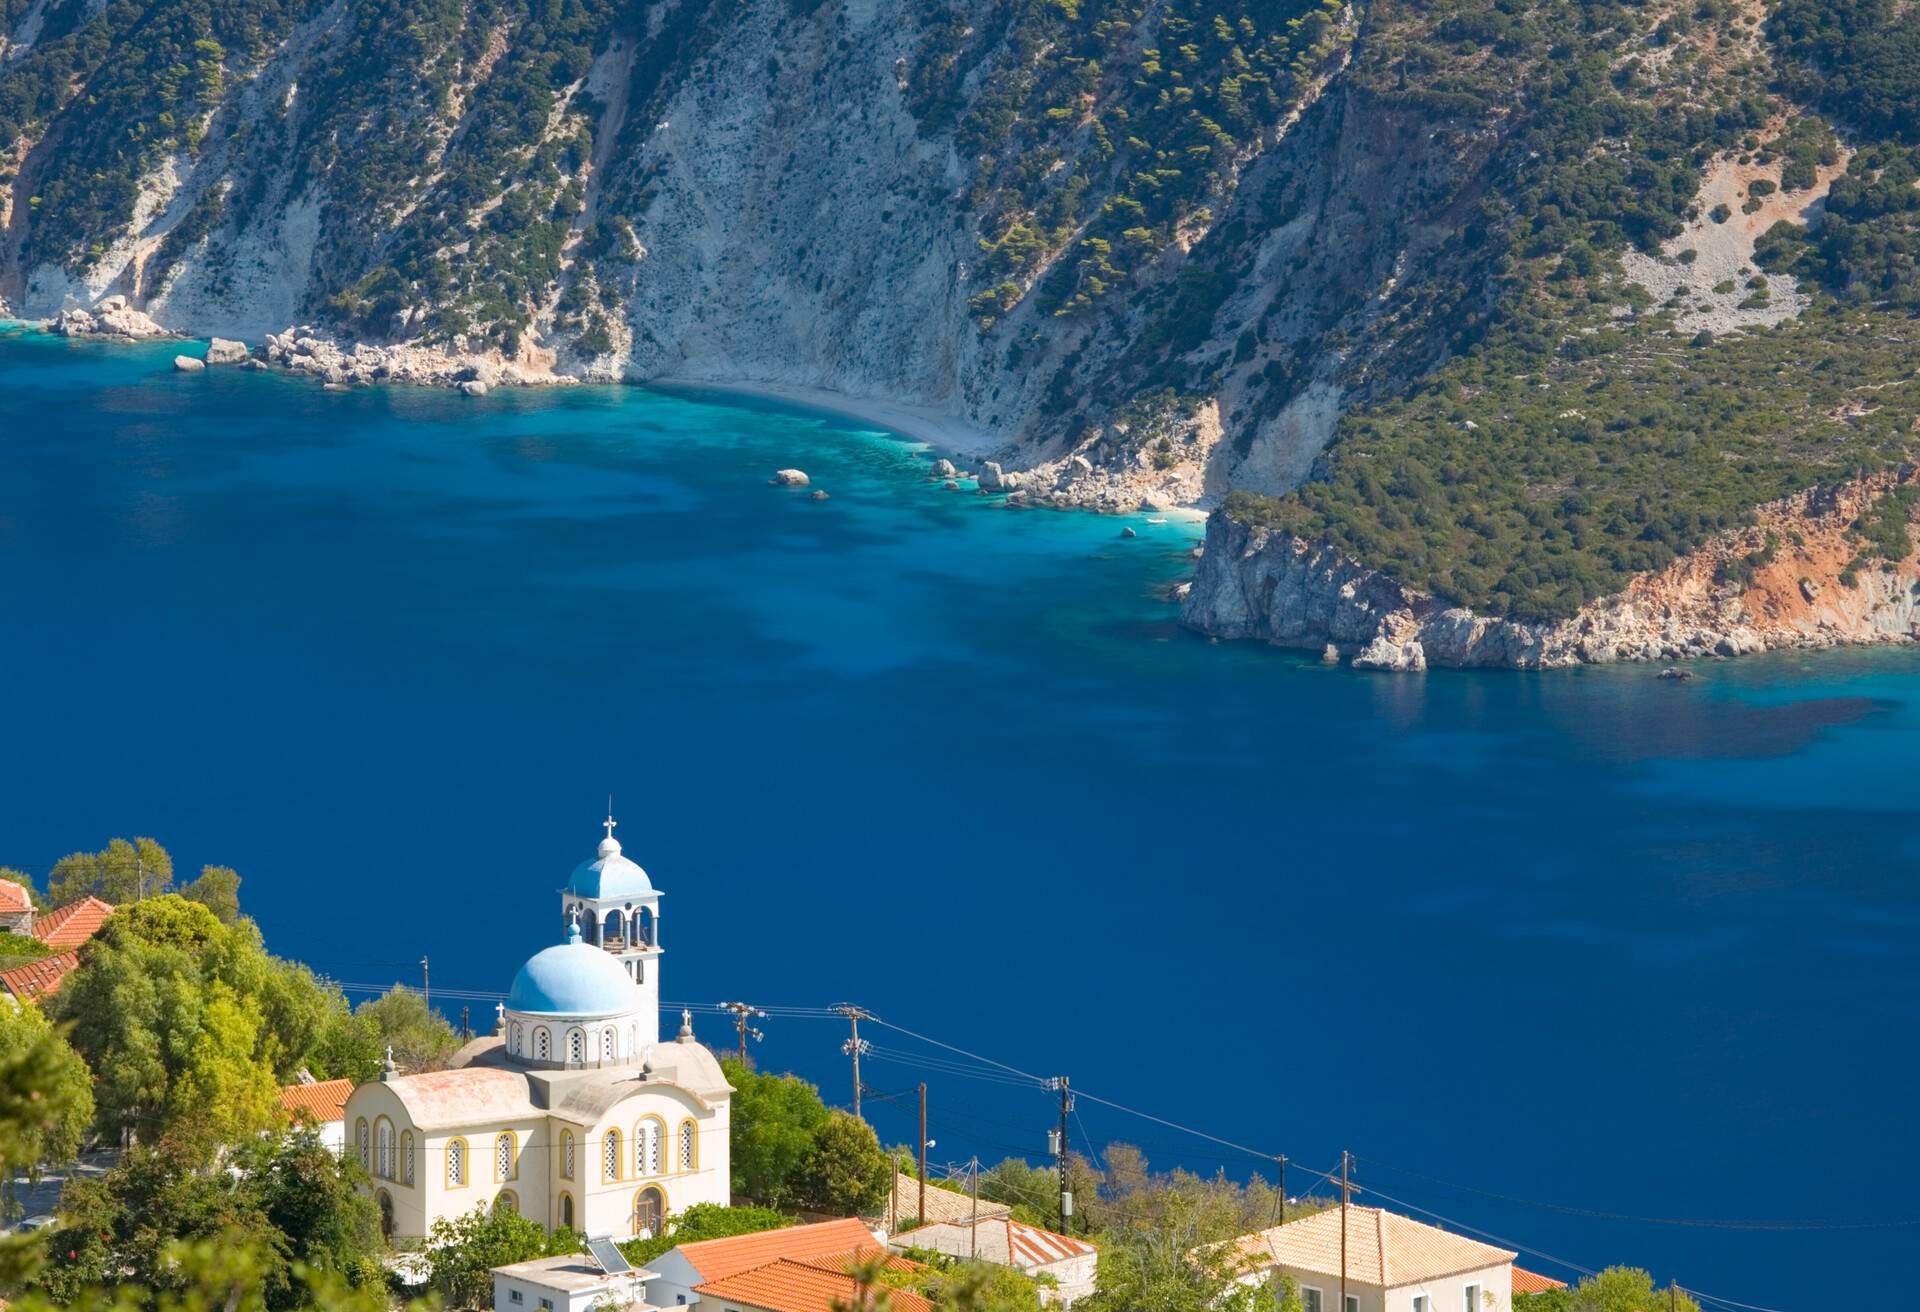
187	364
74	323
1128	533
991	477
790	478
818	494
117	319
1329	655
473	387
950	486
1675	672
224	350
943	468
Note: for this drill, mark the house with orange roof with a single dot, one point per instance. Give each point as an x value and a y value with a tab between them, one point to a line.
1379	1261
715	1262
321	1104
16	908
1532	1282
36	979
73	924
786	1285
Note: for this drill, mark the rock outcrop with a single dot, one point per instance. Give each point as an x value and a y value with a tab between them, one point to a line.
224	350
309	350
1257	583
113	317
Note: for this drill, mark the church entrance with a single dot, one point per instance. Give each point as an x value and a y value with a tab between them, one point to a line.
649	1210
385	1200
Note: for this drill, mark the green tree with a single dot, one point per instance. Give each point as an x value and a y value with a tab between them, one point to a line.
123	872
182	1017
775	1119
1617	1289
1184	1260
421	1038
285	1197
844	1172
217	889
464	1251
978	1287
64	1090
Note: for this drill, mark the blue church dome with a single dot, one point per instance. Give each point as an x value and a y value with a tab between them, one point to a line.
610	875
573	979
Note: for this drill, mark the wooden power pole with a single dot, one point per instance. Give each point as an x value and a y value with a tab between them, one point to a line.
922	1218
1063	1157
854	1047
426	985
1345	1197
742	1014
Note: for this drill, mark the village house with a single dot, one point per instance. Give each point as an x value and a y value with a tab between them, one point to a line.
16	908
573	1282
1068	1264
943	1203
63	931
1392	1264
573	1113
715	1265
321	1104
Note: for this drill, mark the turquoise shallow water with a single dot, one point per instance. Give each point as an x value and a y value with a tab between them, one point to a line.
1587	938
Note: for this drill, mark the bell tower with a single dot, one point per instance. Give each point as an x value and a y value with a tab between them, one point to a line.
618	911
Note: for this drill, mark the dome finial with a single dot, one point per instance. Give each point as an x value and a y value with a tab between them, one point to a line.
573	925
609	845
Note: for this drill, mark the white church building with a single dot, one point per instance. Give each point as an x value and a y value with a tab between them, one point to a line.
574	1113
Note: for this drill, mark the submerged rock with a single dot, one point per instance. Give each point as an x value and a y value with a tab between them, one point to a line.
186	364
790	478
1128	533
819	494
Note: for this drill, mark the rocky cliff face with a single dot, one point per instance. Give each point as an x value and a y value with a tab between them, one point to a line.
1795	579
784	194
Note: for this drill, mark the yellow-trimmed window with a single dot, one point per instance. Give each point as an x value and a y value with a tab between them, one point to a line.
688	1149
456	1163
610	1156
506	1156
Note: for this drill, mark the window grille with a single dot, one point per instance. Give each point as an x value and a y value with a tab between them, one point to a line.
456	1163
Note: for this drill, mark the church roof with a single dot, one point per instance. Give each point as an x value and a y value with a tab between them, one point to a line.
73	924
470	1096
1383	1248
573	979
609	874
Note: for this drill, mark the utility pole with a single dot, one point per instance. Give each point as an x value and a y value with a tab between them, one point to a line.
742	1012
1062	1155
854	1048
426	988
973	1230
466	1022
923	1153
1345	1195
1282	1160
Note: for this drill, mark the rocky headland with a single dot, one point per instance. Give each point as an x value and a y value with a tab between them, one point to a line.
1793	579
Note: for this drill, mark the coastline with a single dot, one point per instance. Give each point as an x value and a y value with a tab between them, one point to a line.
941	431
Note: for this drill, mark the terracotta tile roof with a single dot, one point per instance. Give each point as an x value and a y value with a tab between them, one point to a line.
325	1101
1384	1249
716	1259
1532	1282
784	1285
1000	1239
13	898
38	977
73	924
943	1204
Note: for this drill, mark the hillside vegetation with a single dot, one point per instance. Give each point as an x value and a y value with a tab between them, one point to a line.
1377	272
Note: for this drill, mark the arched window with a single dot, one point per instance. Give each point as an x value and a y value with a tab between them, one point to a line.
456	1163
689	1145
506	1202
610	1156
649	1210
542	1044
514	1043
609	1044
406	1155
504	1160
646	1146
566	1210
566	1154
576	1047
360	1142
384	1165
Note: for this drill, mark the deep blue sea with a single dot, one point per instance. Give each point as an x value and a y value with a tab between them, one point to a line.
1585	939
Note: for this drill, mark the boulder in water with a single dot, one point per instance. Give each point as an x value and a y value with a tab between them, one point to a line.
943	468
474	387
1128	533
992	479
224	350
790	478
819	494
186	364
